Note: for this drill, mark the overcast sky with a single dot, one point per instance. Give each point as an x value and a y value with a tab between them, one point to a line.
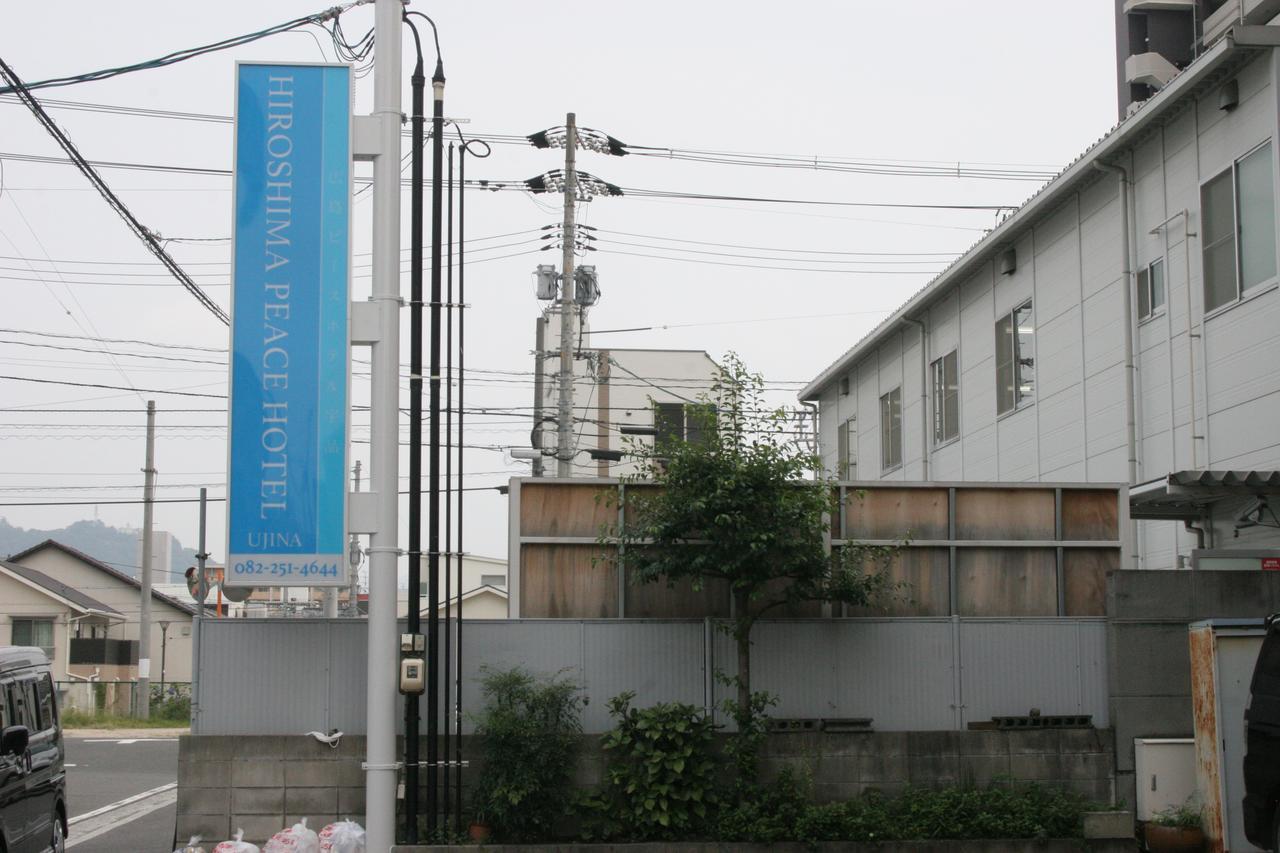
1003	86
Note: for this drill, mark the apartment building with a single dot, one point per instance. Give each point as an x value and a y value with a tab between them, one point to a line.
1122	326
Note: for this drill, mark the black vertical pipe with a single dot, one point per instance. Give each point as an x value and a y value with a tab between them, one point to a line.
462	324
433	465
448	474
415	441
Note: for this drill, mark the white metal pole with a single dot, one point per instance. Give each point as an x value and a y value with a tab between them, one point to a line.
380	703
142	699
564	430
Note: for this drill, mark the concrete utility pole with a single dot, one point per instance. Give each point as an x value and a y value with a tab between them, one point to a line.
381	766
142	707
353	556
564	427
202	592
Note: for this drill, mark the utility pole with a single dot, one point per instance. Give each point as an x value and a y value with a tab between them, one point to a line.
142	705
381	765
353	556
202	592
564	426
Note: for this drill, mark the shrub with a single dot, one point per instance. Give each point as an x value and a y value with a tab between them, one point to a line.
766	814
660	780
528	734
1033	811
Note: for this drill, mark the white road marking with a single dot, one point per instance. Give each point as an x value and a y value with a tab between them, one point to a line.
122	803
70	765
92	824
132	740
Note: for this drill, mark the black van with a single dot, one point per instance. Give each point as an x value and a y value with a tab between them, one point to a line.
33	811
1262	744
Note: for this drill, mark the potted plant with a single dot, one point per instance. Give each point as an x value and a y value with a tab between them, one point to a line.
479	830
1176	829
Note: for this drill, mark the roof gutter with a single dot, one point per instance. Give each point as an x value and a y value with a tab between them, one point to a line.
1252	37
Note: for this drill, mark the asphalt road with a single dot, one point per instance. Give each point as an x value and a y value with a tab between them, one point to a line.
106	772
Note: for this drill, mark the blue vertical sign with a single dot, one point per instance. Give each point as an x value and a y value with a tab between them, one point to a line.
290	350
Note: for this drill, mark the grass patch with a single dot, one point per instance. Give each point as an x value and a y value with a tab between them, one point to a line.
75	719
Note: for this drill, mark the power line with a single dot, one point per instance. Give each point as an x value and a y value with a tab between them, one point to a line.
116	204
182	55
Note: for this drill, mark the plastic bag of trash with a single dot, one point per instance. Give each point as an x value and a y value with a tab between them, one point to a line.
345	836
193	846
237	844
295	839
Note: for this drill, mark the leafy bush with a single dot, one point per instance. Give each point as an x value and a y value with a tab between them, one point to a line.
998	812
171	704
783	814
766	814
1186	816
528	734
661	775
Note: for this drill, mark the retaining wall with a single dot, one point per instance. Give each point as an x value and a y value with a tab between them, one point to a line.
263	783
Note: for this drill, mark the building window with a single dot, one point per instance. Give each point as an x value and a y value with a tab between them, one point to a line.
34	632
1015	359
493	580
891	429
1150	289
1238	214
847	450
946	398
693	422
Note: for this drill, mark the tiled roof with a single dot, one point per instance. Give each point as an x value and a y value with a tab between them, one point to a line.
98	564
58	588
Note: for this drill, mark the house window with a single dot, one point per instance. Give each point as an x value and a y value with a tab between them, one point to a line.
693	422
847	450
34	632
493	580
946	398
1150	289
1015	359
1238	214
891	429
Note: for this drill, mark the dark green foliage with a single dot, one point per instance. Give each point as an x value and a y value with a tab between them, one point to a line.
172	703
1185	816
528	733
743	747
783	813
766	814
661	776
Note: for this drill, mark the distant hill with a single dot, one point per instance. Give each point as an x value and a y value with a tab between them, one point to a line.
113	546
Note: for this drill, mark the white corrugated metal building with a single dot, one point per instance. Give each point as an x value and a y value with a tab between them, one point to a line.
1121	326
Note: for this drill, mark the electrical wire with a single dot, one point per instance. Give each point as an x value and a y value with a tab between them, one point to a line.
147	237
318	19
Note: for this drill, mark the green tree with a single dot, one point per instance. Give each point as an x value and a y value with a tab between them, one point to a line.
743	501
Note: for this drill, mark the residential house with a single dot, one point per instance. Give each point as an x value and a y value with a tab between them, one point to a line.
111	601
615	390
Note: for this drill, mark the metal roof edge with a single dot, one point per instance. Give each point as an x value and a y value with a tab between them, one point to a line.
1118	137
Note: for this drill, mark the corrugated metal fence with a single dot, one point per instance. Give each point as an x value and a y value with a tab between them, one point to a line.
289	676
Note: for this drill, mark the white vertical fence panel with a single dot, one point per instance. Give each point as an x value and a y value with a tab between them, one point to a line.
289	676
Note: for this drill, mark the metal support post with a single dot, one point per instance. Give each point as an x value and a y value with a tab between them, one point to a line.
142	708
564	425
381	702
202	592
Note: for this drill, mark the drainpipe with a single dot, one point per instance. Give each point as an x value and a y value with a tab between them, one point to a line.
924	397
1130	419
812	408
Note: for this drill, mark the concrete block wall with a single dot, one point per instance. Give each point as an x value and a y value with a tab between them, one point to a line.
1149	668
842	766
263	783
